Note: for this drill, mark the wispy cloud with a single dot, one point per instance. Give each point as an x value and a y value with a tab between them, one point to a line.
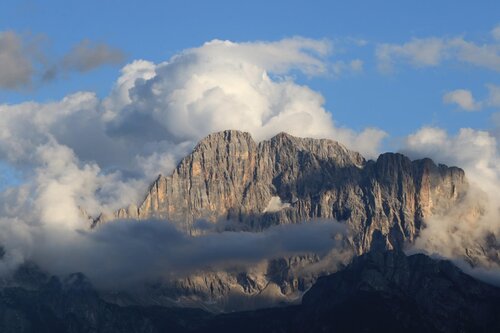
86	56
16	62
493	96
433	51
417	52
485	55
353	66
496	32
24	63
463	98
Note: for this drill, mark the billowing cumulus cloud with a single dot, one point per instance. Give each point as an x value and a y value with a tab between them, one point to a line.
224	85
82	155
156	112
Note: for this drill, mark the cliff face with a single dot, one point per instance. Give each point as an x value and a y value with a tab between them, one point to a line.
290	180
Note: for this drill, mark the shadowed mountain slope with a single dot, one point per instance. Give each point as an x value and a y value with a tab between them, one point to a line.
378	292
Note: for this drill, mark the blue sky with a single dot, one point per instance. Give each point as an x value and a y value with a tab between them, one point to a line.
155	30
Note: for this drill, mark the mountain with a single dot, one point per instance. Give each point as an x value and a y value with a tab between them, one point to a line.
287	179
34	302
230	177
381	291
234	183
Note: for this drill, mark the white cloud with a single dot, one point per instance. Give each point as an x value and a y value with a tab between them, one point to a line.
463	98
466	101
275	205
354	66
468	225
26	125
120	255
119	97
17	238
418	52
486	55
433	51
223	85
496	32
16	67
470	149
88	55
494	95
24	63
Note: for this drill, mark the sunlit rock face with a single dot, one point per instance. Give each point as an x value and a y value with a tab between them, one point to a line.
229	176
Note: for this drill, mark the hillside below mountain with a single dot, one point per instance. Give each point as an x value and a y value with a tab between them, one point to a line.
382	292
378	292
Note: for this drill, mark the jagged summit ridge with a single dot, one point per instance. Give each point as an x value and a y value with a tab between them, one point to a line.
230	176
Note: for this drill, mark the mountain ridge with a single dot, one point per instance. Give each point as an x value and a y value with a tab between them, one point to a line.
286	179
229	176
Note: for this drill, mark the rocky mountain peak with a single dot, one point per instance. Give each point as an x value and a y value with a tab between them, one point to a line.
229	176
224	139
250	186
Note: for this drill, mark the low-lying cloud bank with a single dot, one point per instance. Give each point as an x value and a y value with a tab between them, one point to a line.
128	253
